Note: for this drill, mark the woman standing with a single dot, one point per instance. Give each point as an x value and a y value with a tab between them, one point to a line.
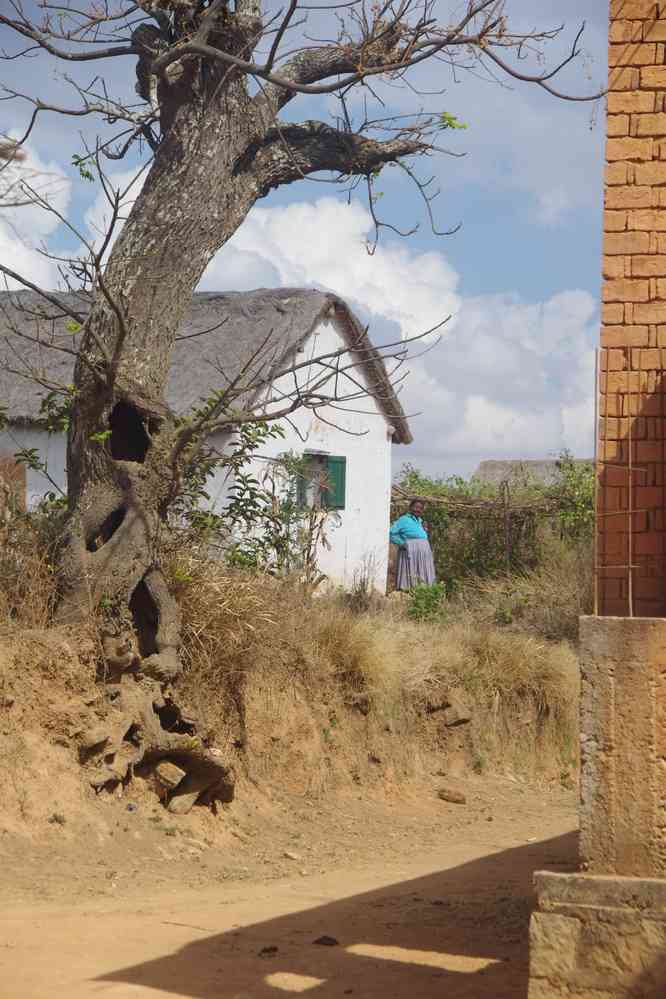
415	561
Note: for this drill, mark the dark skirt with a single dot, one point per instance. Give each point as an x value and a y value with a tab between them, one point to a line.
415	564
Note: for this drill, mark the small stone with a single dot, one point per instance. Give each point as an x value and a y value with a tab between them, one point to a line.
183	803
269	951
168	774
457	711
326	941
455	797
291	856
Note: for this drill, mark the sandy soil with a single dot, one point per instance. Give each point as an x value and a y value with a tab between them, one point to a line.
422	898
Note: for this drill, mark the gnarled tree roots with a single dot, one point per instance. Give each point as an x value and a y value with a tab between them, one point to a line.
142	727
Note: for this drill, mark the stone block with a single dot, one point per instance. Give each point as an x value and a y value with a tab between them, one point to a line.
626	31
632	54
623	78
618	125
624	336
653	31
648	266
629	196
598	937
612	267
639	10
625	290
652	78
631	102
623	243
629	149
616	173
650	220
646	124
612	314
622	783
649	312
651	173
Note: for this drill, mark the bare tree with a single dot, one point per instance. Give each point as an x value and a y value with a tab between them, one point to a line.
218	85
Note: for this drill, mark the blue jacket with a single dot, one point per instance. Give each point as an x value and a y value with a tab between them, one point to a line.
407	528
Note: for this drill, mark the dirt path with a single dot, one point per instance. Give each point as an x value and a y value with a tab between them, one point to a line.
444	914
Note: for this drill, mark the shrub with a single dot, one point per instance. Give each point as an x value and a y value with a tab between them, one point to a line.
28	546
547	600
426	601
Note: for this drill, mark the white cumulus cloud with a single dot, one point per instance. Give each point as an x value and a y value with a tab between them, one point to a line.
323	243
509	378
26	228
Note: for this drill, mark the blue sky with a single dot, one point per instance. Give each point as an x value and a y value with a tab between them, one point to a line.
513	374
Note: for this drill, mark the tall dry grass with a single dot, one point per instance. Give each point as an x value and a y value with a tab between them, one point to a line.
546	601
312	690
367	680
27	577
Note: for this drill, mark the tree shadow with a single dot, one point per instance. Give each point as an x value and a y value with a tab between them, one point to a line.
460	933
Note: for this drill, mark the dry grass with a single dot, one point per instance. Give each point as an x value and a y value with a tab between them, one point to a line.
261	655
27	580
546	601
317	693
525	693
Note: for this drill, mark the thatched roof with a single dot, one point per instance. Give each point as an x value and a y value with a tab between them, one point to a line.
520	471
283	318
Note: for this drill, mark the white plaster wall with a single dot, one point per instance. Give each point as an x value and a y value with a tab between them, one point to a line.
358	534
360	539
52	450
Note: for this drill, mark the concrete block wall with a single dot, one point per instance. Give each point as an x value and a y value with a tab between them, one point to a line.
631	503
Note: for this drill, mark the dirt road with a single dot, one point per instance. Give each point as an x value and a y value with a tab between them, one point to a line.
445	918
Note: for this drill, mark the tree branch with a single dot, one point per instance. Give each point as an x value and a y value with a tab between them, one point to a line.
64	309
292	151
27	31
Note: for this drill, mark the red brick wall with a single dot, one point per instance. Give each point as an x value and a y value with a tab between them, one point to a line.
631	498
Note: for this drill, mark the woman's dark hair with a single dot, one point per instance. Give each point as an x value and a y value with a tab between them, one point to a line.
417	499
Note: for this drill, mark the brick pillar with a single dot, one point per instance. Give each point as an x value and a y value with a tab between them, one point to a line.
601	934
632	414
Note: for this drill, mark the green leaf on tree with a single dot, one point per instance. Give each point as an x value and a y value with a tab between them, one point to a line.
101	437
448	120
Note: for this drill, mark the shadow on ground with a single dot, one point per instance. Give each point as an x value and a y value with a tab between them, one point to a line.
458	933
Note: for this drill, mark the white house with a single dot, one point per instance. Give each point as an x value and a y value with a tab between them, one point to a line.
272	330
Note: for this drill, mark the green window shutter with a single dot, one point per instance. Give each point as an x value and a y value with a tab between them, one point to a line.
302	487
337	477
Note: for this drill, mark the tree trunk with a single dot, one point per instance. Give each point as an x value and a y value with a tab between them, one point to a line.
121	468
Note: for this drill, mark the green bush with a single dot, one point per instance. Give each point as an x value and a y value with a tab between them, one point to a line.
426	602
